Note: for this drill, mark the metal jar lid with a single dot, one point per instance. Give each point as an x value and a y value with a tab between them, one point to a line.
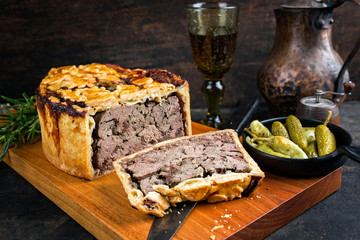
321	103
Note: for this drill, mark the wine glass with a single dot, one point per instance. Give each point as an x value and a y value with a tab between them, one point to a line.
213	32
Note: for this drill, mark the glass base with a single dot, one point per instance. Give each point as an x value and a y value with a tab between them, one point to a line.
215	122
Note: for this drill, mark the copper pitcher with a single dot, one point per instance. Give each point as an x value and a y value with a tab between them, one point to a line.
302	59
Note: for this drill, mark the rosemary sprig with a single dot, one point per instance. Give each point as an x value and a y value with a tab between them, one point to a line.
20	122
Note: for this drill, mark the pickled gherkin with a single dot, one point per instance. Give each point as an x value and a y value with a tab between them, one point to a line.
284	146
278	129
296	131
265	148
325	139
291	139
259	129
311	150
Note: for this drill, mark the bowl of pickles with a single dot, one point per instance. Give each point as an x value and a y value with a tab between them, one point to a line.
298	147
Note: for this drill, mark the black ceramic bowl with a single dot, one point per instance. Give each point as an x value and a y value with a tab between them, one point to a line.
311	167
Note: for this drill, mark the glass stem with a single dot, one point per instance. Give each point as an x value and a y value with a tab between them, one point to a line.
213	90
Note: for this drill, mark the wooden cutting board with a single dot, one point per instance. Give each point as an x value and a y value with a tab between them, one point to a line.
102	207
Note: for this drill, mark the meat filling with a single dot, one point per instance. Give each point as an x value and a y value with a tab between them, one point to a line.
124	130
199	156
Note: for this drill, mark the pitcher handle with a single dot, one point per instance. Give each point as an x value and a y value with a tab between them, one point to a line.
339	2
340	79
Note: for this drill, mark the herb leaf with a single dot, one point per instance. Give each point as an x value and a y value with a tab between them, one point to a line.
19	122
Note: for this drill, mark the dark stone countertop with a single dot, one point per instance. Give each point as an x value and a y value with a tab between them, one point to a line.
25	213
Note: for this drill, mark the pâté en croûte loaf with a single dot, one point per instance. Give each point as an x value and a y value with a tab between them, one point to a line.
211	167
92	114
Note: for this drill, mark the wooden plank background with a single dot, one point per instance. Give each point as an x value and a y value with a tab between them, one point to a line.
38	35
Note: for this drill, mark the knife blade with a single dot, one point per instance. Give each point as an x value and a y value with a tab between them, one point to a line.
164	228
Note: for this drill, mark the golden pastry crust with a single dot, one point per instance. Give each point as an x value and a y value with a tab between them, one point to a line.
69	97
214	188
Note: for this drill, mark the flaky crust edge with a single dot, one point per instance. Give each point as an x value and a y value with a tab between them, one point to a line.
218	187
66	139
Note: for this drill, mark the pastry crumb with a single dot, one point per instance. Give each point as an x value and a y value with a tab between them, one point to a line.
216	227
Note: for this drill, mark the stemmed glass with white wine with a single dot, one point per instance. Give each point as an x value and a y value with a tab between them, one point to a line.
213	33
